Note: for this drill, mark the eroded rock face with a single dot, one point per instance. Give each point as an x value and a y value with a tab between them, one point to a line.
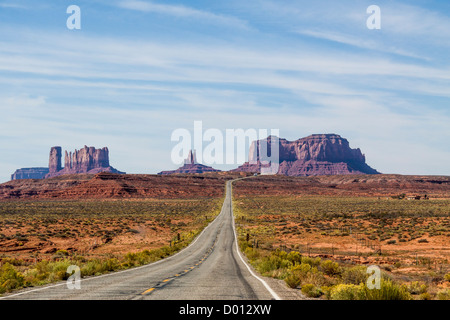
86	160
54	163
318	154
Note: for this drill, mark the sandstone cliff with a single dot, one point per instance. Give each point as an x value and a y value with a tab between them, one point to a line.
87	160
318	154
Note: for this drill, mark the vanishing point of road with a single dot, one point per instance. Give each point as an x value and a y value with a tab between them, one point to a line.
210	268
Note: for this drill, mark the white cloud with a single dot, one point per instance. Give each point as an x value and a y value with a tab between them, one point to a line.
12	5
183	12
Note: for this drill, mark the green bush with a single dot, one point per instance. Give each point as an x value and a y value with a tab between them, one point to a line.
330	268
347	292
416	288
294	257
389	290
354	275
447	277
10	278
313	262
443	295
252	254
311	291
425	296
275	261
293	280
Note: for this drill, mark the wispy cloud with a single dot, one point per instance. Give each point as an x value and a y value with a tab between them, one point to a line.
12	5
183	12
359	42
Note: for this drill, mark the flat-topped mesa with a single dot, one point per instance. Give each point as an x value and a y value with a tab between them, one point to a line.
317	154
86	160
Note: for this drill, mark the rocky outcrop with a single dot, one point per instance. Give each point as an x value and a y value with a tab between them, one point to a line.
191	166
318	154
29	173
87	160
54	163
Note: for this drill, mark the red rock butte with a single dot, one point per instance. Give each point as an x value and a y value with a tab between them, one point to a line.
87	160
317	154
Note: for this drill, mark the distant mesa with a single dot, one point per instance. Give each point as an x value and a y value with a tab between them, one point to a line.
29	173
317	154
87	160
190	166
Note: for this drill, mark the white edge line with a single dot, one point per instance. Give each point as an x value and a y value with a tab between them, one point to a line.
271	291
122	271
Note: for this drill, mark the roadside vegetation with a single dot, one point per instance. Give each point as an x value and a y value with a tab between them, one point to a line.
323	245
41	239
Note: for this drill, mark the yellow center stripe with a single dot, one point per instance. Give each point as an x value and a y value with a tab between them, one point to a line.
148	291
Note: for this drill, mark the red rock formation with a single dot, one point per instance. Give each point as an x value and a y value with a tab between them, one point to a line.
86	160
54	163
318	154
190	166
29	173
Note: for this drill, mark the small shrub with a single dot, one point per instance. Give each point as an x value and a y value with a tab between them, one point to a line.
326	291
292	280
252	254
354	275
391	242
443	295
10	278
389	290
347	292
425	296
416	288
311	291
294	257
330	268
447	277
313	262
423	241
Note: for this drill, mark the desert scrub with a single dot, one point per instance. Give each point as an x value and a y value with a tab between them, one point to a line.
330	268
10	278
311	291
416	288
443	295
347	292
354	275
293	280
388	291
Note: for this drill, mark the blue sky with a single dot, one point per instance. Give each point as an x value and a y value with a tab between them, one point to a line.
137	70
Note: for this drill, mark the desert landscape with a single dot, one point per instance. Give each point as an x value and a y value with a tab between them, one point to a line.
108	222
399	223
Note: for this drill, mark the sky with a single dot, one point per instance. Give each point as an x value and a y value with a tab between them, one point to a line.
137	70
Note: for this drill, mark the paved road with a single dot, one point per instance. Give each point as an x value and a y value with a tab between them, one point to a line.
210	268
